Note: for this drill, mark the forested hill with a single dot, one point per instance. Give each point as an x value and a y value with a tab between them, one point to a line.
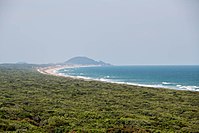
85	61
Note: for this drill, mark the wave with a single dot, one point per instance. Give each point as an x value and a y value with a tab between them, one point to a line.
182	87
82	77
144	85
168	83
191	88
178	85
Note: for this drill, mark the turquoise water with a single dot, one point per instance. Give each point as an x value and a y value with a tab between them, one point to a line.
174	77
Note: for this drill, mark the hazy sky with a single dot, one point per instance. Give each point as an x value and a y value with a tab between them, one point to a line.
120	32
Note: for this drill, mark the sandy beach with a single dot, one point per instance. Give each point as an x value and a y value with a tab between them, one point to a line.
51	70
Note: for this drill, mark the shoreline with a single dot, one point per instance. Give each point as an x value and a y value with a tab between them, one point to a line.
51	70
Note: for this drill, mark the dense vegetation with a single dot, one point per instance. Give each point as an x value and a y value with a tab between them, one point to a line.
33	102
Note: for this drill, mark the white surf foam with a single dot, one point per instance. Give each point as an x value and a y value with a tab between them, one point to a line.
168	83
191	88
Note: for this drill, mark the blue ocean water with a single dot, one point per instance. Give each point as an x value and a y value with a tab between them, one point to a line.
174	77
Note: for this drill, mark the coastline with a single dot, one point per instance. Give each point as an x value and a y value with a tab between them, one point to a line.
52	70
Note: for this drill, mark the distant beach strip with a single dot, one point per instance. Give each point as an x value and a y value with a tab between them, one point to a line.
171	77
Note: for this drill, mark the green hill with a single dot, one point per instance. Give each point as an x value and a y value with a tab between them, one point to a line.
85	61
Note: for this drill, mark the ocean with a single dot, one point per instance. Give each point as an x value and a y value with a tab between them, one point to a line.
173	77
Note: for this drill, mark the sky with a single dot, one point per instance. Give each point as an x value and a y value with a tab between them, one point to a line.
121	32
